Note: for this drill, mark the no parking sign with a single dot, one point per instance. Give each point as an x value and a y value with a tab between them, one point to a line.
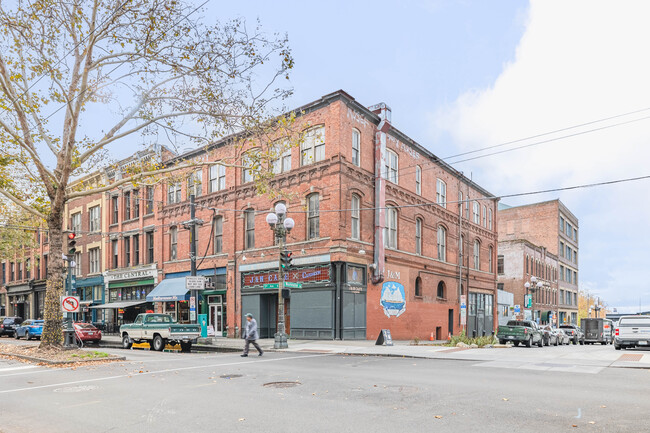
70	304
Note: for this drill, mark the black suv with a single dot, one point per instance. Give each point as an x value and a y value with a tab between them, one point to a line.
575	333
9	324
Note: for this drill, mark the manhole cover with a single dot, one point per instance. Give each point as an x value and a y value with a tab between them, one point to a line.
282	384
230	376
76	388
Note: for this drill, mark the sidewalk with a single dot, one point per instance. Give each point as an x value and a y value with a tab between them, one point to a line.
508	356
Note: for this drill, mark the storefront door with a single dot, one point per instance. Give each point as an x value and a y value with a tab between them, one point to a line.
216	314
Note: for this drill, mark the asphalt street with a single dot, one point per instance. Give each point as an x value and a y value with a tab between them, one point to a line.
313	392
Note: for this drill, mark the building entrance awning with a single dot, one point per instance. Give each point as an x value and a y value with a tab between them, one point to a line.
169	289
121	304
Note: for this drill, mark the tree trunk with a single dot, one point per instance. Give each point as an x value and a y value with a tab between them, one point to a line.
53	327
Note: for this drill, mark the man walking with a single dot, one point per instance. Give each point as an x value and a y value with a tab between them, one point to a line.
251	335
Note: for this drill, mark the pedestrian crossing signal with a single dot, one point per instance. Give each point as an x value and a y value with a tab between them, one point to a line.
286	259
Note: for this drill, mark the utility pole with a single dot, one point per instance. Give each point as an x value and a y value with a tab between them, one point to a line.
191	226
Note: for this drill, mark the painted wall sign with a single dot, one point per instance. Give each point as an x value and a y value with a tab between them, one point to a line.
311	275
393	275
393	298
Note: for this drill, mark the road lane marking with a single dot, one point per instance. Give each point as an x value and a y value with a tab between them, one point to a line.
167	370
28	372
22	367
85	403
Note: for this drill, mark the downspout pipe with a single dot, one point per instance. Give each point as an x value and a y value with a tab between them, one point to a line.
380	196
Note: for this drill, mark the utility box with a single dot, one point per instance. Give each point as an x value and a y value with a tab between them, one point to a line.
203	322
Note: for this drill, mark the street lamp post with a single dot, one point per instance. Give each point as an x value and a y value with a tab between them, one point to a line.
532	286
280	226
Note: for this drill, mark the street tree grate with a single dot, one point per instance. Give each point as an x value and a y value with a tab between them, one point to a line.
282	384
230	376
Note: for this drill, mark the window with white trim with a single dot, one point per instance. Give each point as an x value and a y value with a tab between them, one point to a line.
356	147
174	193
282	163
418	236
249	227
460	203
355	205
312	149
477	212
75	222
490	259
93	260
477	254
95	219
218	234
390	231
217	177
442	243
441	193
392	166
490	218
418	180
173	243
195	184
484	216
313	216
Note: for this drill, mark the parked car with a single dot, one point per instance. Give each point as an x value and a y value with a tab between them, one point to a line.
597	330
550	335
9	325
574	331
632	331
158	330
87	332
563	337
29	329
520	331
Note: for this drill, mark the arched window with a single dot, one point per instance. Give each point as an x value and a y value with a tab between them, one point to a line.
418	287
313	216
356	147
484	216
418	180
441	290
477	254
490	218
418	236
491	251
355	205
390	231
442	244
249	228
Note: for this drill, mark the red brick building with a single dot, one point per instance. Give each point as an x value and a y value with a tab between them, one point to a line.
552	226
386	236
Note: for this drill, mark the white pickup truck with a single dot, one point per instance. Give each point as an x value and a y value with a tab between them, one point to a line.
632	331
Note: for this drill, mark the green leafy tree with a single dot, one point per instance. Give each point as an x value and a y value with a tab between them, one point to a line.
80	76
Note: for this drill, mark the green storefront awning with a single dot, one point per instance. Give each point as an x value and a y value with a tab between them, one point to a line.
148	282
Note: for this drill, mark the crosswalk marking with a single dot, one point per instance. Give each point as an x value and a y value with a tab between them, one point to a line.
22	367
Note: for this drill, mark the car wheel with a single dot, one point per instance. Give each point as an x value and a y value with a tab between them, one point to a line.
28	336
617	347
16	335
126	342
556	343
502	341
158	343
516	343
581	342
529	342
575	341
540	343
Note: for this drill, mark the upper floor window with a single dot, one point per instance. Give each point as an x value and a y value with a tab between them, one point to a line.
418	180
247	161
442	244
217	177
356	147
561	250
174	193
569	230
149	198
313	216
115	254
490	259
173	243
476	212
440	292
150	247
390	231
282	163
355	205
249	227
484	216
217	228
75	222
500	265
460	203
136	203
477	254
490	218
392	166
93	260
28	269
127	251
136	249
312	149
418	236
441	193
195	184
561	223
461	250
127	205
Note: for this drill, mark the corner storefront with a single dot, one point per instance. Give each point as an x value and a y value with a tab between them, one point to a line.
20	300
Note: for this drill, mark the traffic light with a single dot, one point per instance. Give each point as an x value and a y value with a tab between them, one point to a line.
285	260
72	243
286	293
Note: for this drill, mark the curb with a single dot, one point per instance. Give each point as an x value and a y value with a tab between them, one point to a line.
47	361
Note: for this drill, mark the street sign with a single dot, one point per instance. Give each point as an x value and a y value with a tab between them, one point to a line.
195	282
272	286
517	309
192	308
192	302
70	304
291	285
528	301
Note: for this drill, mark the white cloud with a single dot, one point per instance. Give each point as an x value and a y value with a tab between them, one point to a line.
577	61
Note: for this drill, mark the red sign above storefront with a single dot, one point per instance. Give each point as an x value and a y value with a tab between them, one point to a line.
310	275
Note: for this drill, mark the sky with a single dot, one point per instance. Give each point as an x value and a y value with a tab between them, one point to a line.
463	75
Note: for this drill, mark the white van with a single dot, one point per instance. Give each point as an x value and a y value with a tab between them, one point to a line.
632	331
